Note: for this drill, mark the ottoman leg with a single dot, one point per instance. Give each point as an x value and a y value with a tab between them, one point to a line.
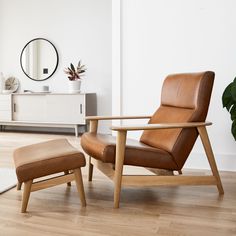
66	173
26	195
18	187
80	186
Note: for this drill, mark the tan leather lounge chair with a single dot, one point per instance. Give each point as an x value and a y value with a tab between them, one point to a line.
166	142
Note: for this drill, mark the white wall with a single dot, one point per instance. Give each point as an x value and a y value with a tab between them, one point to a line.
160	37
80	29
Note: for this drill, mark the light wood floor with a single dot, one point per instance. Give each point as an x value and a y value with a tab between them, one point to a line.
149	211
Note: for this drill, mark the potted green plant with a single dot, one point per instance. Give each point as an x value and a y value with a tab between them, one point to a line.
74	75
229	102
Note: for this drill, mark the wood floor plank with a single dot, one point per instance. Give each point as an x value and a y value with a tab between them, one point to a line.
181	210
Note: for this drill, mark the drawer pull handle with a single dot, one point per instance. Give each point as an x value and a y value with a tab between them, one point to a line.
81	109
14	107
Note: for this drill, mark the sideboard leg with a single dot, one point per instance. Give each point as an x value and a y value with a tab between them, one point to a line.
86	127
76	130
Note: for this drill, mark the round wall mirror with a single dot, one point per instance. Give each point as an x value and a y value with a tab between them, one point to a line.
39	59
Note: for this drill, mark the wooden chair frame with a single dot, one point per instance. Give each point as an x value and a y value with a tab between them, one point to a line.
115	172
29	186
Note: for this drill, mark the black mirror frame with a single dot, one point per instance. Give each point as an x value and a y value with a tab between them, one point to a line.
56	56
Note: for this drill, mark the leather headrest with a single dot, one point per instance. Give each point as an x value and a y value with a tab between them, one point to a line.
182	90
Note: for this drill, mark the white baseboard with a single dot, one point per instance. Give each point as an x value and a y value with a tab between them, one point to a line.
225	162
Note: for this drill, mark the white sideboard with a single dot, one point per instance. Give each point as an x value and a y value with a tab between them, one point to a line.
47	109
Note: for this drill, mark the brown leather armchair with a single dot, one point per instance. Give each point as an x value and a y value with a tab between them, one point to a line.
166	142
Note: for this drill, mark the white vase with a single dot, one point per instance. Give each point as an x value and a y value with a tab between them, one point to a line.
74	86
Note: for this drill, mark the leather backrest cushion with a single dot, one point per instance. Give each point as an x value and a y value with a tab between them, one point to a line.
166	138
185	98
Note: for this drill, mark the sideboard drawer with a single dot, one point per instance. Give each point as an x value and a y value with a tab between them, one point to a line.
65	109
29	107
5	107
5	115
5	102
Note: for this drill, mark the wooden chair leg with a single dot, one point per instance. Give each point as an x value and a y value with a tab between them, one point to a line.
120	153
93	126
66	173
26	195
18	187
80	186
90	175
210	156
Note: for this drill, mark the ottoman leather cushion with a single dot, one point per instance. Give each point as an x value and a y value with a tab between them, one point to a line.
46	158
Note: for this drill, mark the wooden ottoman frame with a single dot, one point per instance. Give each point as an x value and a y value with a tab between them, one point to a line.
44	159
29	186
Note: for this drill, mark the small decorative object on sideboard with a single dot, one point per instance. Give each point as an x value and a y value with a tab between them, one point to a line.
11	85
74	76
229	101
44	89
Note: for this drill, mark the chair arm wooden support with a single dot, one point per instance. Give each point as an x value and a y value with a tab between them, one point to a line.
94	120
160	126
116	117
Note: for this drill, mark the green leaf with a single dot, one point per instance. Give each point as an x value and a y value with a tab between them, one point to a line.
68	72
229	105
72	67
233	112
233	91
233	129
227	97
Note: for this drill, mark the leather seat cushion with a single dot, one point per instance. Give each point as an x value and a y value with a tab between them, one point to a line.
46	158
103	147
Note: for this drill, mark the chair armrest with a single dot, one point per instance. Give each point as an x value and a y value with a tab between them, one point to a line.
160	126
116	117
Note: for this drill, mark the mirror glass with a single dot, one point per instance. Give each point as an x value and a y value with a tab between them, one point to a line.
39	59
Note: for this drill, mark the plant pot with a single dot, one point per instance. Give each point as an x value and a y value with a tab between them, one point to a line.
74	86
